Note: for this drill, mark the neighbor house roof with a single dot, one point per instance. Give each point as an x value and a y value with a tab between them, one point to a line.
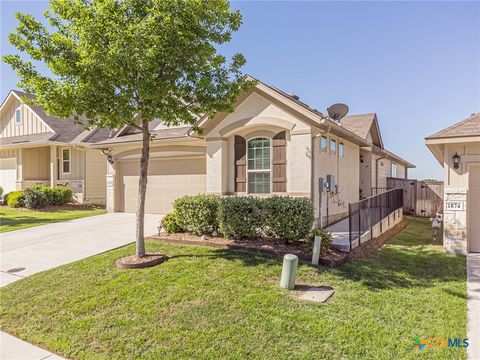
27	139
163	134
467	127
65	129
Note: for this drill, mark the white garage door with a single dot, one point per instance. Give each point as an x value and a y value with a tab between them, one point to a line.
8	174
168	179
474	209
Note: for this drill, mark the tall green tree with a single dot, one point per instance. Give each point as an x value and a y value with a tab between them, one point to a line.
128	62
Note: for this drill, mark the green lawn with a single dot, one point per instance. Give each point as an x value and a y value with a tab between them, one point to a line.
15	219
206	303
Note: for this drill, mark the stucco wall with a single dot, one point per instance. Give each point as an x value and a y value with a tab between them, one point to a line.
346	171
31	123
456	186
258	117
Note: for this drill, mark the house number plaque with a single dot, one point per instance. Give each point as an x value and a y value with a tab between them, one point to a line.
454	205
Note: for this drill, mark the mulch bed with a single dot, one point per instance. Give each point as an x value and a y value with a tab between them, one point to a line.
333	258
262	246
370	248
134	262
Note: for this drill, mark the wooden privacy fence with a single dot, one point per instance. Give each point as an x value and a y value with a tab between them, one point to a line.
421	198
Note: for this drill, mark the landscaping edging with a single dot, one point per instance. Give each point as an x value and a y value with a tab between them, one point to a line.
332	259
148	260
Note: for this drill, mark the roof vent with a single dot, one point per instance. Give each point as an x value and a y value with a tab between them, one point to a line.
295	96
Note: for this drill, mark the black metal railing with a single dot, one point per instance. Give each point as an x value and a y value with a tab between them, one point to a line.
364	214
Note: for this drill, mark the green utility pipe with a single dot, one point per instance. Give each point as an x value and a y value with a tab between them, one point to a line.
289	271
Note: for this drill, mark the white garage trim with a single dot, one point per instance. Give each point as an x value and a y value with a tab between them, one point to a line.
168	179
8	174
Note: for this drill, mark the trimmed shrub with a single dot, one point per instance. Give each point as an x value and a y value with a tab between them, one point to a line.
34	198
326	239
15	198
170	223
197	214
60	195
287	218
240	217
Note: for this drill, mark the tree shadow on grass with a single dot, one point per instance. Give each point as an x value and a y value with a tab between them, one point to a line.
20	221
246	257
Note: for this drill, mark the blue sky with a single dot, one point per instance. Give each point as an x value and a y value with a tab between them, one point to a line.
416	64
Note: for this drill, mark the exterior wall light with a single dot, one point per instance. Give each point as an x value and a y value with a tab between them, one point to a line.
110	159
456	161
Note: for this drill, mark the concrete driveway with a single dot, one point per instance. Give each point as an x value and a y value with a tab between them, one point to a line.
44	247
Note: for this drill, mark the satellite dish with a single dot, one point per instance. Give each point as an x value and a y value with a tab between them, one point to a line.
337	111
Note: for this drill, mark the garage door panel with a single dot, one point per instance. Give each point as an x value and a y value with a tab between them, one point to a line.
8	174
168	180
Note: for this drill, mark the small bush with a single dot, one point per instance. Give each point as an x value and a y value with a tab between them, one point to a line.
240	217
170	223
15	198
326	239
35	198
60	195
288	218
197	214
1	192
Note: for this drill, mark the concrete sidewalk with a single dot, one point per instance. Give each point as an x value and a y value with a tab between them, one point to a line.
45	247
473	295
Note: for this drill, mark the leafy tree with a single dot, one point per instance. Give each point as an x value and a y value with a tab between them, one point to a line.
129	62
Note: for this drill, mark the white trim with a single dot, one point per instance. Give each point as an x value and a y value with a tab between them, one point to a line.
259	170
20	109
69	160
25	105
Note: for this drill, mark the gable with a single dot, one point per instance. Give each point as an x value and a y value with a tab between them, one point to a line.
255	110
376	137
31	122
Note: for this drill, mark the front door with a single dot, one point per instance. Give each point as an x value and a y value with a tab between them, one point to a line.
473	233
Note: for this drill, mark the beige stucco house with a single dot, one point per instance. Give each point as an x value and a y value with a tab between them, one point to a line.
272	143
457	148
36	148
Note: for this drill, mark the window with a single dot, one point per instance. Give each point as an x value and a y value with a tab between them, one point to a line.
258	166
394	170
18	116
324	144
66	161
333	147
341	150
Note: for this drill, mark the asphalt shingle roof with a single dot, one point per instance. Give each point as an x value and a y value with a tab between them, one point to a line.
359	124
467	127
66	129
168	133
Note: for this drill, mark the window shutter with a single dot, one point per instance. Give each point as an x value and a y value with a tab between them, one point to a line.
240	164
279	162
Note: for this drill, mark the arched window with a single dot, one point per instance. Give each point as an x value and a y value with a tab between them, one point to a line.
258	166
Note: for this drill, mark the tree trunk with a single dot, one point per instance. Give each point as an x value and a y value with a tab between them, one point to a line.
142	189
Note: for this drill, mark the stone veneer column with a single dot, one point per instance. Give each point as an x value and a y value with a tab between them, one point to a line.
110	183
455	221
